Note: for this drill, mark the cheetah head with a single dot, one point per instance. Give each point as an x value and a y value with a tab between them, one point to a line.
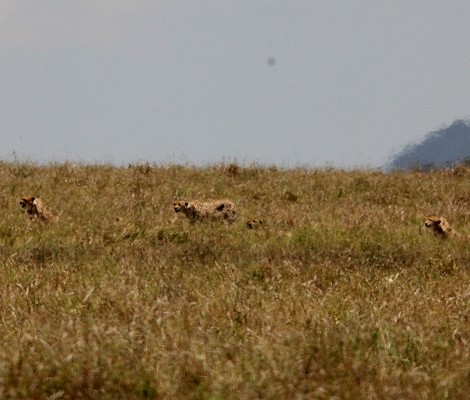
254	223
179	205
27	202
439	225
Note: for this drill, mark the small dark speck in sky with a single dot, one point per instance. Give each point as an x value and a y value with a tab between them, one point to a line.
271	61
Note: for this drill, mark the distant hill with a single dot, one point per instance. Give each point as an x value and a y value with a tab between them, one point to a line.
439	149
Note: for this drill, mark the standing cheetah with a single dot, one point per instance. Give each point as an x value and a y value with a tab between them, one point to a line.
216	210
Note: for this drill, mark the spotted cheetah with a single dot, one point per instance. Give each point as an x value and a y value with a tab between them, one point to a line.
36	209
216	210
441	227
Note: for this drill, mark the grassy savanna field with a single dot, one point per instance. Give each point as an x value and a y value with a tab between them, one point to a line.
342	294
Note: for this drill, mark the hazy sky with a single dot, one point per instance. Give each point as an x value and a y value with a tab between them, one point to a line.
291	82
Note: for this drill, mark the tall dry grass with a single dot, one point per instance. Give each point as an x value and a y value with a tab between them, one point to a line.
340	295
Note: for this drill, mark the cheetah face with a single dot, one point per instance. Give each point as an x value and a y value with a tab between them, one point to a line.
27	202
434	223
253	223
180	205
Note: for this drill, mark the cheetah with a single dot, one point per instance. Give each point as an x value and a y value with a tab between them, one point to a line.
254	223
36	209
441	227
216	210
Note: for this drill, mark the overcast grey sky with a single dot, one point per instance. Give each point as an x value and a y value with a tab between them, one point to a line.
291	82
